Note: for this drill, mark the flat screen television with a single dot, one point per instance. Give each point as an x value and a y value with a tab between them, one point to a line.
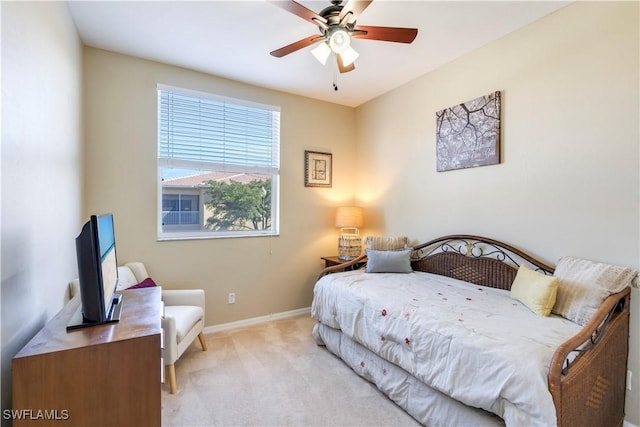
97	273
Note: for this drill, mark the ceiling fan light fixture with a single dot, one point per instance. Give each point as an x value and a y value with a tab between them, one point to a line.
339	40
337	24
321	52
349	56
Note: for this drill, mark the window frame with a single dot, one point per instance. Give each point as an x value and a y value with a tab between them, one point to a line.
164	235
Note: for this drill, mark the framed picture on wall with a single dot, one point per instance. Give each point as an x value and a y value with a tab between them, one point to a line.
317	169
468	134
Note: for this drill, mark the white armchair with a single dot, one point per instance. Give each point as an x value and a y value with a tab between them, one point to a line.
183	319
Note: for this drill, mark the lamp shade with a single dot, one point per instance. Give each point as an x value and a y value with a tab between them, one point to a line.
349	216
322	52
349	56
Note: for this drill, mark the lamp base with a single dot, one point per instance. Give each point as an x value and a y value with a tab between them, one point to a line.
349	246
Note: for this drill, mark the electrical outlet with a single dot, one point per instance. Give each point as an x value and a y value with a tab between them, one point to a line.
629	380
231	299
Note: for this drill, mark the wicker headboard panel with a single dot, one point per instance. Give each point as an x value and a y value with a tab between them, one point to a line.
474	259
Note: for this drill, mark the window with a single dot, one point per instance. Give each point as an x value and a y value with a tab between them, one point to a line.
181	209
218	166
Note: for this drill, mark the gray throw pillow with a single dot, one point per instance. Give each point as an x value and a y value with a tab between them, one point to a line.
388	261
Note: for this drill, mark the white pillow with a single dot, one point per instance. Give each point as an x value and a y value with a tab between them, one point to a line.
584	285
388	261
126	278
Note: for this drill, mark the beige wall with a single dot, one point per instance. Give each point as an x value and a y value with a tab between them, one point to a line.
568	181
41	169
268	274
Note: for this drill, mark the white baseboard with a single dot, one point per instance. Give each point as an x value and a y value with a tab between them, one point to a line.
628	424
256	320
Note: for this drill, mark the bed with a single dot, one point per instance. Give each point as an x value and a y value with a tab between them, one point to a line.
449	340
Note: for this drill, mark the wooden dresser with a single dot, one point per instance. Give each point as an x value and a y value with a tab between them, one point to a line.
107	375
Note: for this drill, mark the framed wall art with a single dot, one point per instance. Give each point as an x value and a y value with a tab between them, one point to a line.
317	169
468	134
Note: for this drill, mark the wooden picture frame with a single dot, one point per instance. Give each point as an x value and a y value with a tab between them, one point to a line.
317	169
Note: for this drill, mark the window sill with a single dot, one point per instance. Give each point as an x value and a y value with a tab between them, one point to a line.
166	237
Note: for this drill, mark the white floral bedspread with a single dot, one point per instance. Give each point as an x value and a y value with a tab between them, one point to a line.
473	343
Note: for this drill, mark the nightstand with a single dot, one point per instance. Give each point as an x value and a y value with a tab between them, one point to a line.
330	261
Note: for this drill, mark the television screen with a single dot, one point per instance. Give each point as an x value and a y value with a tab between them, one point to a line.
97	273
108	260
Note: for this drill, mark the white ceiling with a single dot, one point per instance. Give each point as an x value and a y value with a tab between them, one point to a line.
232	39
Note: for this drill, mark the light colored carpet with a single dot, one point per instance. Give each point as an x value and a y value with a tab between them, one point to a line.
273	374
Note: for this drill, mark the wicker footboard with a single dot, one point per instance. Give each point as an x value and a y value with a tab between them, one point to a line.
591	390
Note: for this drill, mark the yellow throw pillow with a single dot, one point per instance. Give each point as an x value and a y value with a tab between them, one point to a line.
535	290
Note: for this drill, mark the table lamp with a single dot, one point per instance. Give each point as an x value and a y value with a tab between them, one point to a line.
349	218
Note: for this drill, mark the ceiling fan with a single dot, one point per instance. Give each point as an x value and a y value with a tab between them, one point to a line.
337	25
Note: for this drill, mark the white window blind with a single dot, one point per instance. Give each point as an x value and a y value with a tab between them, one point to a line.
221	157
203	131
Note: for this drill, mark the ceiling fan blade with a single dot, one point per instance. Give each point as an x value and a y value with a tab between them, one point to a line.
301	11
356	7
344	68
290	48
388	34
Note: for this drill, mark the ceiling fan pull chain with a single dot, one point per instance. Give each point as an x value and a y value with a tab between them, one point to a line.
335	81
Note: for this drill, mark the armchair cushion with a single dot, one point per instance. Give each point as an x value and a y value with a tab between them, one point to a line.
186	316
